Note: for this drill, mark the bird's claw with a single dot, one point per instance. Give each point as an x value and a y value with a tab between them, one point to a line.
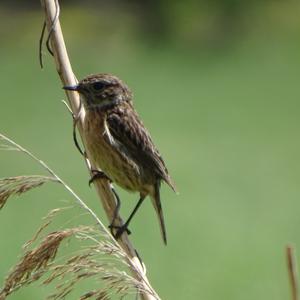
119	230
98	175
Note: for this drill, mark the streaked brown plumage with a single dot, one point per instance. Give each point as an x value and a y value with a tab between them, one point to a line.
118	142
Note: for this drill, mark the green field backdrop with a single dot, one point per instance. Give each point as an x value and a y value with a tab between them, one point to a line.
225	116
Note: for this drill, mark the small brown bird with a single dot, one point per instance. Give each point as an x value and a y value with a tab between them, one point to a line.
119	143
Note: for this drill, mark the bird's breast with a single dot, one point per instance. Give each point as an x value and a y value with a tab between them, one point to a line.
105	153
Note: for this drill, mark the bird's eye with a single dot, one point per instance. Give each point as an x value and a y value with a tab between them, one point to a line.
98	86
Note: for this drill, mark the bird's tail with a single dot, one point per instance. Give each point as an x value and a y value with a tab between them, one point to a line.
158	208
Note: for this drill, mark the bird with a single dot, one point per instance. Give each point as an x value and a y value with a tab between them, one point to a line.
118	142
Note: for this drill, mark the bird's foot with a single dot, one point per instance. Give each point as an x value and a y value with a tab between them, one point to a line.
97	175
119	230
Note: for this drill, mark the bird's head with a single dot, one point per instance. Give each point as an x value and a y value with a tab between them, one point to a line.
101	91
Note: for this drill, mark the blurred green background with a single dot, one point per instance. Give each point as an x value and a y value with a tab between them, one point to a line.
217	84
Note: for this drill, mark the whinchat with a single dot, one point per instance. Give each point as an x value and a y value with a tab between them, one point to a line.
118	142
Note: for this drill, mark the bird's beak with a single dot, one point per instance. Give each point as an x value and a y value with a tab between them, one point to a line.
71	87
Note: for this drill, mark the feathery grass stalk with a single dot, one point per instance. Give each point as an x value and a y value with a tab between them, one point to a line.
37	262
20	184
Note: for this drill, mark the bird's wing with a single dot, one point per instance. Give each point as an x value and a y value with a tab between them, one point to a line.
135	141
